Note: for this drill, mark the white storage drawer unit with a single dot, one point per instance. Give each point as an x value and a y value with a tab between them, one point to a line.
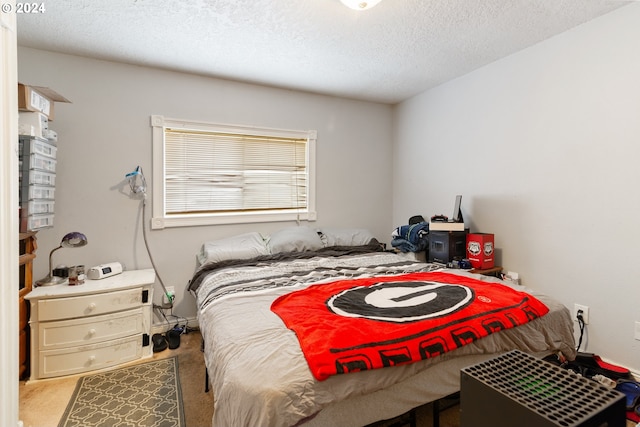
37	180
98	324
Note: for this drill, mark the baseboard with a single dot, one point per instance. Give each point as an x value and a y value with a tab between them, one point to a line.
162	327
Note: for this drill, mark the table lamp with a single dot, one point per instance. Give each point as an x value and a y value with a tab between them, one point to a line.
74	239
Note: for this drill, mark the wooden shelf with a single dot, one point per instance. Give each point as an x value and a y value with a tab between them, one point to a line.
27	250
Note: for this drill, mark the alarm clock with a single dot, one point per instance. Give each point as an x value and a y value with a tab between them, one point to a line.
104	270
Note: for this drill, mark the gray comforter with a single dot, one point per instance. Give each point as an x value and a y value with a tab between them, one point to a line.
259	375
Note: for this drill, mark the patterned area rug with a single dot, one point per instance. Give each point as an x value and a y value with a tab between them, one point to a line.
147	395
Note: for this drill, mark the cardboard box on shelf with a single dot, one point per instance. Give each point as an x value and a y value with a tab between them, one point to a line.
38	99
480	250
33	124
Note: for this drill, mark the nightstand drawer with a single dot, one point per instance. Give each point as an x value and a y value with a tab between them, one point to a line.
88	305
90	330
54	363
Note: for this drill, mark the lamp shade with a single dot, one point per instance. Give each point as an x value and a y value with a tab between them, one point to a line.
360	4
74	239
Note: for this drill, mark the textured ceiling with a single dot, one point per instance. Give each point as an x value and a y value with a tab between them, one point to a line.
387	54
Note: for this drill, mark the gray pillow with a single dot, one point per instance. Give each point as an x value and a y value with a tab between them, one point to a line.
242	246
346	236
294	239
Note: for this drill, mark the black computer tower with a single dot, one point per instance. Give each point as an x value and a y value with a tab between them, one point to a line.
517	389
445	246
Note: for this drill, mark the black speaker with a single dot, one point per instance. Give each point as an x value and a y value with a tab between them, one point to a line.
445	246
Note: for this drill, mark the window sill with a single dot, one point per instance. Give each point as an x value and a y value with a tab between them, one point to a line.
159	223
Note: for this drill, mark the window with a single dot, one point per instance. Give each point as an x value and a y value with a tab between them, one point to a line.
206	173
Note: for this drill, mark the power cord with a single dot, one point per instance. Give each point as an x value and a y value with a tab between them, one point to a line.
170	297
180	322
581	324
140	187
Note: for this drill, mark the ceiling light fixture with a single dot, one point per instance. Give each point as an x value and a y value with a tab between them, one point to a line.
360	4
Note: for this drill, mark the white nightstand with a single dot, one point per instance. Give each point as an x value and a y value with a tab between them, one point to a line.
98	324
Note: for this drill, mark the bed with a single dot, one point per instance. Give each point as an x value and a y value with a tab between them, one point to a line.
258	371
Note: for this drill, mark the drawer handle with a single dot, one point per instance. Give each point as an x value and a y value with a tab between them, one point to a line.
92	359
92	331
92	306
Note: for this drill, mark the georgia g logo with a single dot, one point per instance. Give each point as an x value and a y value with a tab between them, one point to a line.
401	301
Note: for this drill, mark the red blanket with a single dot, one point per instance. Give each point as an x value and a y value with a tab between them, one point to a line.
354	325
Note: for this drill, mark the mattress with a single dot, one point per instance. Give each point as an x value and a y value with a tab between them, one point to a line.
259	374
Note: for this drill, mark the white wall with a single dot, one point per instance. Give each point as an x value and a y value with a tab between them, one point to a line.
106	132
9	277
544	147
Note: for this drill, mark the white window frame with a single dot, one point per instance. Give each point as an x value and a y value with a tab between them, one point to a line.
161	220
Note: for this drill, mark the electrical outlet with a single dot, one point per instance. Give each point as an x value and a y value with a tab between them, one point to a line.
512	277
585	313
636	333
171	291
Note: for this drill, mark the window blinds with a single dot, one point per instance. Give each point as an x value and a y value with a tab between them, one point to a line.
215	172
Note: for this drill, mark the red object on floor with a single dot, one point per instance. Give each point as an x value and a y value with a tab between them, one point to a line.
609	366
631	415
594	361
